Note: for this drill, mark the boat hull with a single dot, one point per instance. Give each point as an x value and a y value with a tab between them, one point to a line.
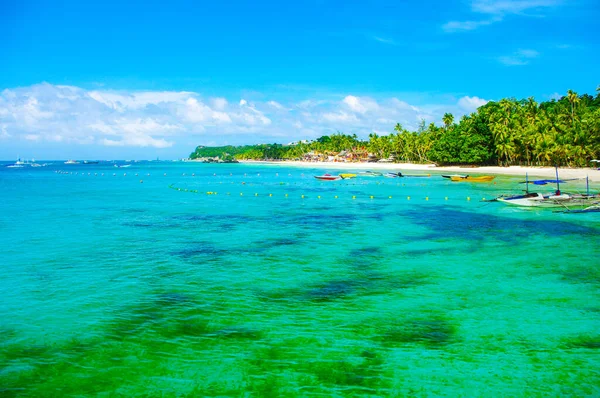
472	179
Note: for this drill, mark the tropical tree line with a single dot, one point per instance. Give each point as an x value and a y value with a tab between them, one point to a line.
564	132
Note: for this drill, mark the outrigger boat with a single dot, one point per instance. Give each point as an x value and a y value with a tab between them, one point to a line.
328	177
556	199
472	178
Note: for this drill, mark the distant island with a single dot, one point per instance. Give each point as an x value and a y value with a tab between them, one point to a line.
563	132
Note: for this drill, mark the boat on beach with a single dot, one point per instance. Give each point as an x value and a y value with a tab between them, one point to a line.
472	178
328	177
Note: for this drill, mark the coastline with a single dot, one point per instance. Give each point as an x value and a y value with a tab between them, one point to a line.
533	172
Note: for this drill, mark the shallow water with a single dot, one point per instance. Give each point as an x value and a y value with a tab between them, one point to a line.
361	287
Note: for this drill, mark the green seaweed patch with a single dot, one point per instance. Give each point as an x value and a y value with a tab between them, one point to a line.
364	373
431	333
238	332
332	290
588	274
19	352
583	341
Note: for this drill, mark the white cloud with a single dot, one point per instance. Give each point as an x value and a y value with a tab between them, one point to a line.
497	10
385	40
219	103
521	57
456	26
503	7
360	105
276	105
470	104
3	133
44	113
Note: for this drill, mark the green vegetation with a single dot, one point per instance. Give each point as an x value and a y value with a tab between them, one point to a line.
565	132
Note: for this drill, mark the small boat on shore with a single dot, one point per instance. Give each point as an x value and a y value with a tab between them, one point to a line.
328	177
472	178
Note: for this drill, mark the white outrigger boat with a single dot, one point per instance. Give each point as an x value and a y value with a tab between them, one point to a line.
556	199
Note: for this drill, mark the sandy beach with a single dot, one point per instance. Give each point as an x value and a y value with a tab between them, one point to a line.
533	172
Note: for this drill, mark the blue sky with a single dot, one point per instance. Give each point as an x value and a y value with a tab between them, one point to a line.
146	78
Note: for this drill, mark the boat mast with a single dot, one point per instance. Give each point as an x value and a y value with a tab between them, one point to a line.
557	183
587	185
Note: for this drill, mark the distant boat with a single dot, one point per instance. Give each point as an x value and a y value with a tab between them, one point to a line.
348	175
122	166
472	179
70	161
369	173
449	176
328	177
19	164
90	162
393	175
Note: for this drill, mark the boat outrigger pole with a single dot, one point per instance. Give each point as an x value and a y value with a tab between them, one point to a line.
557	182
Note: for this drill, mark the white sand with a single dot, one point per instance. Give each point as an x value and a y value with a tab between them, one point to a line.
543	172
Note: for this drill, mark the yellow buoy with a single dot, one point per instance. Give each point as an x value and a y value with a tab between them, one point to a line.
389	197
270	195
445	198
468	198
408	198
335	197
353	197
426	197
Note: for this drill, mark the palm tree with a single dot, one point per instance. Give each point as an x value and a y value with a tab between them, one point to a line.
573	100
448	119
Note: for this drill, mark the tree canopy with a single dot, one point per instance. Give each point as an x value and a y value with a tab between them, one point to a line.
564	132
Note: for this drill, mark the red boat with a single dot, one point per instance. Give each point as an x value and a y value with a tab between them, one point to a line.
328	177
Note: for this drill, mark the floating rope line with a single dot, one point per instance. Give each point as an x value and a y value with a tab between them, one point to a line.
385	197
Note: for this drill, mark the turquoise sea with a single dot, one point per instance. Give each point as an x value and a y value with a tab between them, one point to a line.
121	282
